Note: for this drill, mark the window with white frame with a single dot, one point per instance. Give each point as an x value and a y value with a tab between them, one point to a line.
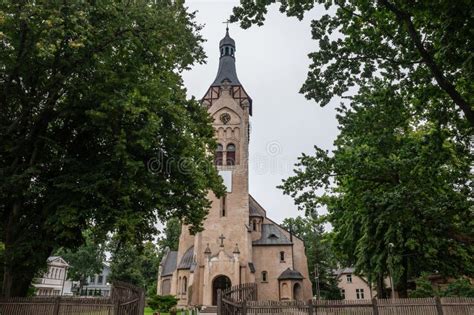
360	294
343	294
349	278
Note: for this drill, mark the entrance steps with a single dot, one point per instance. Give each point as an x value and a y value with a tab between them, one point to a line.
209	310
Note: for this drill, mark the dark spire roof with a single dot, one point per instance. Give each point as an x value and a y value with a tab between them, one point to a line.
227	40
227	62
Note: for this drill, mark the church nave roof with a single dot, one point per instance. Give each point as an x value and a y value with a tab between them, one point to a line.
168	265
187	259
271	235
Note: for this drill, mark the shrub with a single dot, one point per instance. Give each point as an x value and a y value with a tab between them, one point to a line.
460	287
162	303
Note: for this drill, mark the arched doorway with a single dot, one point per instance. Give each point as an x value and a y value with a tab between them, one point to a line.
297	292
219	282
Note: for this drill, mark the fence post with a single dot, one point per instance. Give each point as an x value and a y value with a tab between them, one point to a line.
244	307
116	307
310	307
56	305
375	308
439	306
219	302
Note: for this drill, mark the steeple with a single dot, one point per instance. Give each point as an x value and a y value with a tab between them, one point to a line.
226	78
226	62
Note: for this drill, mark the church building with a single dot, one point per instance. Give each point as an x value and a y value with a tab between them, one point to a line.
239	244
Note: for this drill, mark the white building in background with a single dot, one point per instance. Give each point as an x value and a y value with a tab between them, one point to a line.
98	284
53	281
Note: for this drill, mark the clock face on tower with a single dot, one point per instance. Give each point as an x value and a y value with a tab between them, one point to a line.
225	118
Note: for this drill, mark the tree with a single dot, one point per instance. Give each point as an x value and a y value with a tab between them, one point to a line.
170	239
318	252
95	127
397	188
85	261
425	46
134	263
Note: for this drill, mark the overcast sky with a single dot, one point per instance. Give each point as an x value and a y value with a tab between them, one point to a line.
272	64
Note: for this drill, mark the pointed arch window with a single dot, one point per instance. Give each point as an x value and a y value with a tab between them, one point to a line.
230	154
185	285
219	155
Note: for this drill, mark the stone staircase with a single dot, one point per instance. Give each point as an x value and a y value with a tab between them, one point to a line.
209	310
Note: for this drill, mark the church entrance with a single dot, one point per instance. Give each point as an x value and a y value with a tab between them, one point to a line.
219	282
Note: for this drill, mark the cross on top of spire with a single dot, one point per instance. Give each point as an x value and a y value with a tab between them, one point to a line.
227	26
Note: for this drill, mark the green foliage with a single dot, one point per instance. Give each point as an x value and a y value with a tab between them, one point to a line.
424	288
162	303
394	181
424	47
85	261
318	252
135	264
461	287
170	237
95	127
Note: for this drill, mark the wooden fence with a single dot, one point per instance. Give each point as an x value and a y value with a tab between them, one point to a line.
125	299
231	300
241	300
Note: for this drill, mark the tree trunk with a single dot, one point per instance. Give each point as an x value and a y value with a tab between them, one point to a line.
8	263
22	259
380	287
402	285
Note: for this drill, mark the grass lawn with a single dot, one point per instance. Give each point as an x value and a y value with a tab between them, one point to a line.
148	311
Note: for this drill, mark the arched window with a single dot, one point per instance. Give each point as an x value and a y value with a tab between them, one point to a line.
230	154
282	256
219	154
254	225
179	285
264	276
222	51
223	206
227	50
185	285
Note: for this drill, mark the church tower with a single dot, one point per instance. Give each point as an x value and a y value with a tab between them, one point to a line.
223	250
239	244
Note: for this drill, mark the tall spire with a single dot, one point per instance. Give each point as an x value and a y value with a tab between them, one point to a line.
226	70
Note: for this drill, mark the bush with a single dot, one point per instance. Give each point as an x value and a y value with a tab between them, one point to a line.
423	289
460	287
162	303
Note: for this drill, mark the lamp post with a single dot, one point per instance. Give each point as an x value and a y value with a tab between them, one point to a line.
390	269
